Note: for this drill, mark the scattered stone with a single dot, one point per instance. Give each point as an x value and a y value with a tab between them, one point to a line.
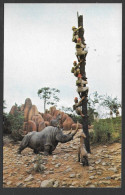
56	184
72	175
108	178
55	157
19	184
78	175
47	183
113	169
88	182
97	162
29	178
67	170
116	176
104	163
99	173
106	182
75	183
9	182
58	165
91	177
91	168
91	186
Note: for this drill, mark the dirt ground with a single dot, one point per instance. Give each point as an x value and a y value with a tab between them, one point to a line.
62	168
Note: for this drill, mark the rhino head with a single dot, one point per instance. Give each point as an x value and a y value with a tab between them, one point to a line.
63	138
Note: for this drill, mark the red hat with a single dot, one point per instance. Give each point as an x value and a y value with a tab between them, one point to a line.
75	98
79	39
79	75
74	62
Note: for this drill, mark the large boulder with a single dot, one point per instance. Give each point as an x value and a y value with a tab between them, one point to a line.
64	117
74	126
29	126
47	123
37	119
52	110
41	126
47	117
27	107
67	123
33	111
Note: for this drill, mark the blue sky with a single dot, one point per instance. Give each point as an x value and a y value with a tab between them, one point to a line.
39	52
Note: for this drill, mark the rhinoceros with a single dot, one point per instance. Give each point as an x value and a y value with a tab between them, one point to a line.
45	140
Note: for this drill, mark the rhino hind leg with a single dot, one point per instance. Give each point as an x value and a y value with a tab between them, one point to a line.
23	144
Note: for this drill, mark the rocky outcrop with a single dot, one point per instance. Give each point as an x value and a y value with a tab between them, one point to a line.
33	111
47	117
36	121
27	107
67	123
73	126
41	126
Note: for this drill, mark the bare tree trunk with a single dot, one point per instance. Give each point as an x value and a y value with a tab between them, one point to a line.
83	73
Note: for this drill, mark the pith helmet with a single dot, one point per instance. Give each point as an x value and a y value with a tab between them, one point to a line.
73	27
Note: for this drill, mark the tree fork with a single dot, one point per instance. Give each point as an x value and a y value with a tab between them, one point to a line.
83	73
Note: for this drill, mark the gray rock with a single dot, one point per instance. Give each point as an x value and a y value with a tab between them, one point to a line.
72	175
92	186
88	182
58	165
104	163
113	169
98	161
108	178
47	183
91	168
55	157
99	173
19	184
91	177
106	182
9	182
67	170
29	178
56	184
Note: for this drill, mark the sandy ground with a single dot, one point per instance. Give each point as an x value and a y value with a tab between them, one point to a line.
62	167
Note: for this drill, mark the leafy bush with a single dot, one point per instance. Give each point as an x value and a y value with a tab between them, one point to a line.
106	130
14	124
102	131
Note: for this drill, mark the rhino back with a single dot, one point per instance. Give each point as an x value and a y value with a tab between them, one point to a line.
45	137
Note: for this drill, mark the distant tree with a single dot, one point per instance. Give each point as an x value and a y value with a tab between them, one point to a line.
92	102
112	103
49	96
66	109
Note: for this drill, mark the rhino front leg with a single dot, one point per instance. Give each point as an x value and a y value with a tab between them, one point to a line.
47	150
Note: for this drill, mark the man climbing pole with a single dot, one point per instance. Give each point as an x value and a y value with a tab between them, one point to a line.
81	53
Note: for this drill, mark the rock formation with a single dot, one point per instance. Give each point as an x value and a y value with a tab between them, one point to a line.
36	121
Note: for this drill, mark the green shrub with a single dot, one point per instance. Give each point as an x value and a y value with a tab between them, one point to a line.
106	130
14	124
102	131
